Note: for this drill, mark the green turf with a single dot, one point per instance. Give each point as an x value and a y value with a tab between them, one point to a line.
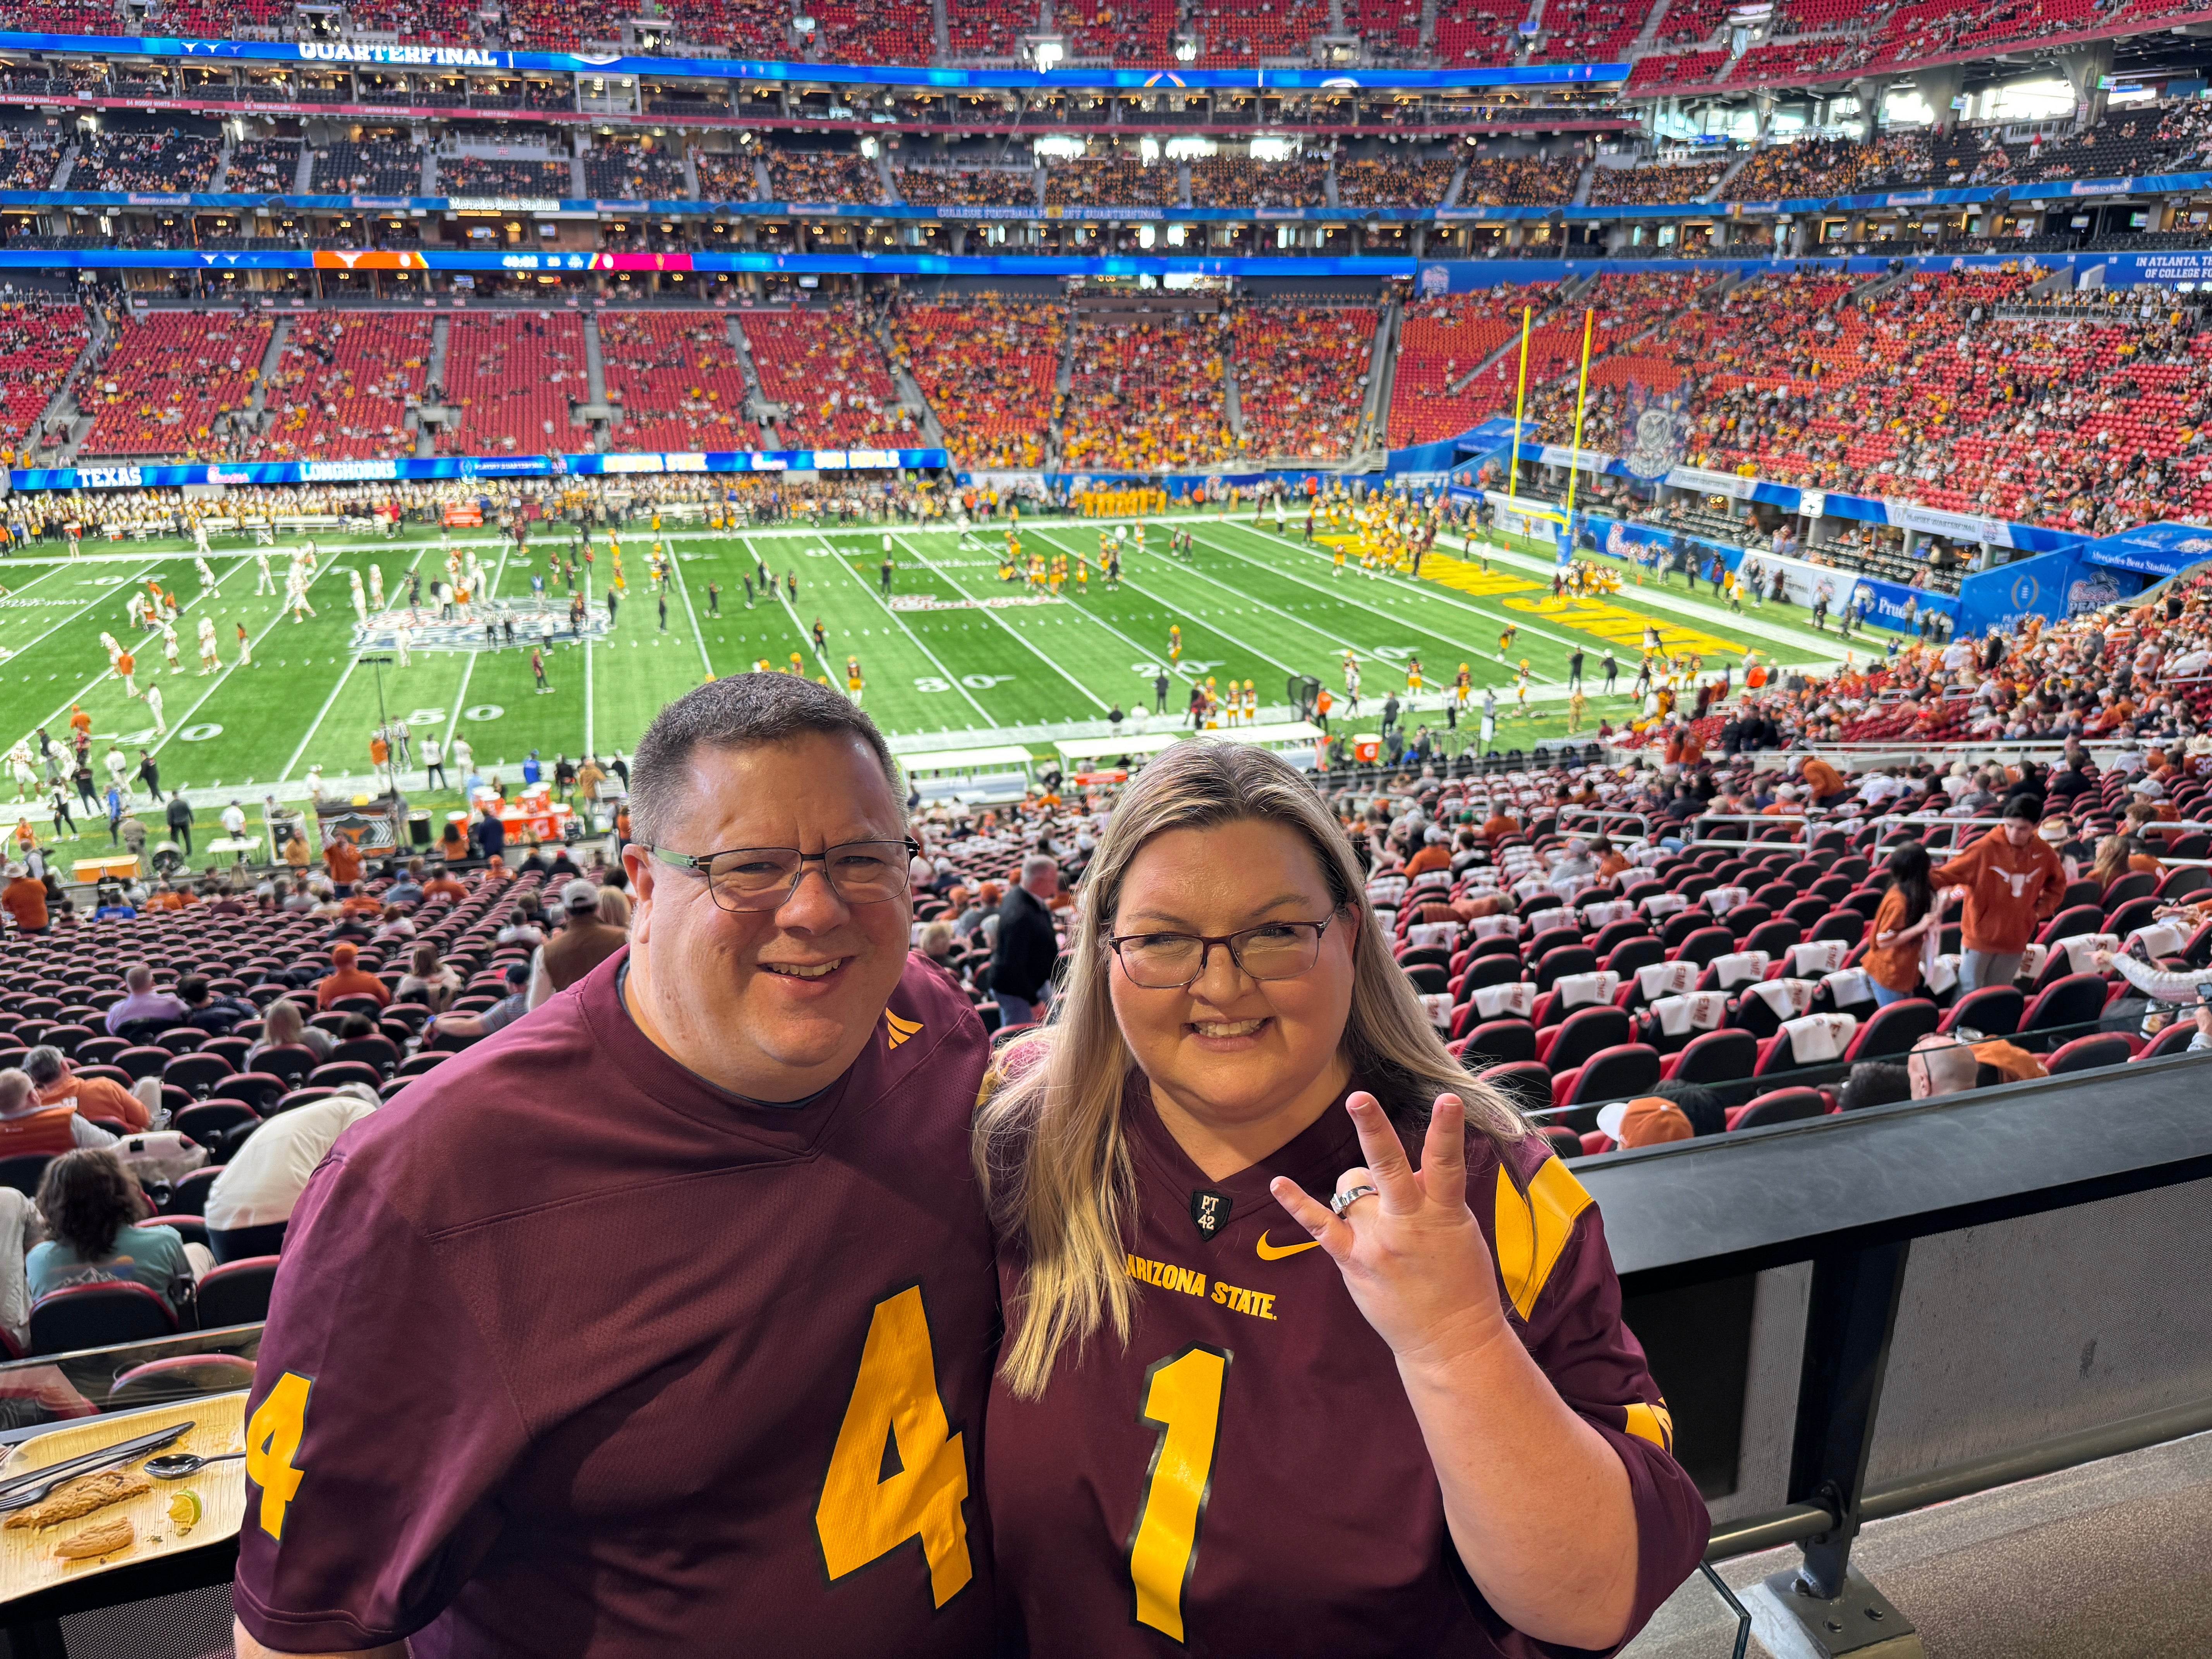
1252	606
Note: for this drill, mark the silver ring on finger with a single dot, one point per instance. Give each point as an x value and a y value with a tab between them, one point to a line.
1350	1197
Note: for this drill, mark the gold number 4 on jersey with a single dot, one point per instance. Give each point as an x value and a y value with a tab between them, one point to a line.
272	1440
1183	1400
864	1513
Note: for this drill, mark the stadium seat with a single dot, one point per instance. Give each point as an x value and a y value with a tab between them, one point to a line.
237	1292
1527	1083
2174	1040
290	1063
1498	1041
1892	1030
333	1072
1620	1072
23	1171
2072	922
1723	1056
1778	1106
211	1118
189	1195
2086	1053
1994	1010
1582	1034
2076	1000
196	1074
145	1060
178	1377
98	1317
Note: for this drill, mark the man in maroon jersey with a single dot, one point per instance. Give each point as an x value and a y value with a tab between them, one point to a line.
661	1323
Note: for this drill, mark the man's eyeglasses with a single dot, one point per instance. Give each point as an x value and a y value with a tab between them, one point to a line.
1169	961
764	878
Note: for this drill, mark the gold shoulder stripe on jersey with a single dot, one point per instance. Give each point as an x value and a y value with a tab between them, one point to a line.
1652	1423
1532	1230
900	1030
1277	1252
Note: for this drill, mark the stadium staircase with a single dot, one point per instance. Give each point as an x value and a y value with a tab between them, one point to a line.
941	27
433	373
763	186
430	185
595	382
579	189
756	400
1232	408
1374	411
1183	183
1428	28
60	180
1568	292
1588	176
1328	183
887	175
691	177
1452	190
909	391
1650	32
279	337
305	171
1728	176
221	181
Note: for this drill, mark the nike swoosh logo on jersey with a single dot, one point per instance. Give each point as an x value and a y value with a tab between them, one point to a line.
1277	1252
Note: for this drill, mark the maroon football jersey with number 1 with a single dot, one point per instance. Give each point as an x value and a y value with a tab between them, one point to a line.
574	1355
1247	1476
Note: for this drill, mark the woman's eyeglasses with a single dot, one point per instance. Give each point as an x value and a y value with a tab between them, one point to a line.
1169	961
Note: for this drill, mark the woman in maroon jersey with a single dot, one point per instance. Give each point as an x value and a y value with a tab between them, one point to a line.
1229	1418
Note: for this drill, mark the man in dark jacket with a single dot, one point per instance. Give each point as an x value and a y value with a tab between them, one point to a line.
1021	959
181	822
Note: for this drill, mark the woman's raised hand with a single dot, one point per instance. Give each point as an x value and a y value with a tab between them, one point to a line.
1412	1254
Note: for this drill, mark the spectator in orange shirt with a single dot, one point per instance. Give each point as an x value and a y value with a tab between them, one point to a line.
1822	782
24	899
2011	880
1500	826
344	858
1435	853
444	886
58	1084
1611	860
346	979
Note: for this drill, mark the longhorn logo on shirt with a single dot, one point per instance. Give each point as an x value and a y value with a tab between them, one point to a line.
1209	1213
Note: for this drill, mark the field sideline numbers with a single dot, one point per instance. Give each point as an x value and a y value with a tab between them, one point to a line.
200	733
483	711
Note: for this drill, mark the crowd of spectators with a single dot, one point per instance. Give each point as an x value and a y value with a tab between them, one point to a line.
933	186
1442	341
1145	396
1112	181
827	371
1301	377
1827	166
1518	181
635	170
678	380
484	175
512	377
1241	181
1133	33
1390	181
1244	33
825	176
40	340
29	156
342	386
369	167
1654	182
263	167
168	379
168	163
987	368
725	175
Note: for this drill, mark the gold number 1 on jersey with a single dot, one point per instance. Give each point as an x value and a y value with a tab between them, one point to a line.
1183	1400
864	1513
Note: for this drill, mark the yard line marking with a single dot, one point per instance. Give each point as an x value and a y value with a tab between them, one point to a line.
1012	632
946	674
591	714
352	661
469	668
268	629
79	615
1135	587
110	674
705	661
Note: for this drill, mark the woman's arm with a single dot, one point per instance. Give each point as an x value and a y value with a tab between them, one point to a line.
1538	1504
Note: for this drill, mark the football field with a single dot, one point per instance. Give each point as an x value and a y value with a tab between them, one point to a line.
952	658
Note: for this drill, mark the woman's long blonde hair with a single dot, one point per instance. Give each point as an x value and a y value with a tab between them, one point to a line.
1049	1146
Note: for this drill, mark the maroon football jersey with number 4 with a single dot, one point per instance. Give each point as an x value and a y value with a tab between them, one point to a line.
1247	1476
575	1355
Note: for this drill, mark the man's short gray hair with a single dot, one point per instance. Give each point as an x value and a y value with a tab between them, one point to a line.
15	1089
45	1066
138	978
733	713
1036	864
